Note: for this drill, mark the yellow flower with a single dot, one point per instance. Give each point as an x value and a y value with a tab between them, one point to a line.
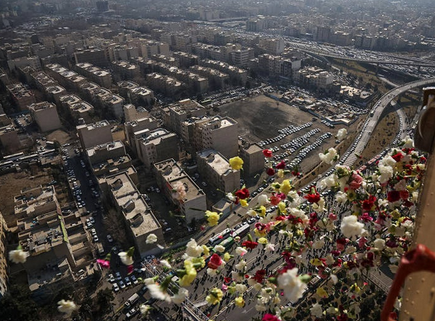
215	296
259	233
227	257
190	275
239	301
262	240
285	187
212	218
281	207
236	163
262	211
280	173
244	203
206	250
395	214
316	262
322	292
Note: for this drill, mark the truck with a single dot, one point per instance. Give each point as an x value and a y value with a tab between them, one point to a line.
100	248
131	300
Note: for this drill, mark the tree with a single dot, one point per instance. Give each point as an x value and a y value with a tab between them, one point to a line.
104	298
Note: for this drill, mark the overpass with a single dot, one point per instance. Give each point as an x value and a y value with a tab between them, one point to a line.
376	112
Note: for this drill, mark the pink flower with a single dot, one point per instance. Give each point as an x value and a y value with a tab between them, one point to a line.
104	263
332	216
356	181
270	317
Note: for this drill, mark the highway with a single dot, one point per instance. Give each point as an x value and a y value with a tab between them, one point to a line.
370	124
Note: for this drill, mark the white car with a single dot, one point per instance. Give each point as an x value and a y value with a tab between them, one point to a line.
115	287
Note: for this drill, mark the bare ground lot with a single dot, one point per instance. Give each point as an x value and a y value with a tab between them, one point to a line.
261	117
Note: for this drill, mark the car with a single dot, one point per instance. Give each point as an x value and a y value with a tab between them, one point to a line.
109	238
115	287
111	278
127	281
95	238
131	313
92	220
143	290
134	279
121	284
117	276
251	220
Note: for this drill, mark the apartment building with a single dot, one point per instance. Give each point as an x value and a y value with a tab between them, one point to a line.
253	159
9	138
165	84
131	112
169	175
67	78
21	62
185	60
137	125
314	77
219	133
177	113
217	80
241	57
138	95
100	76
3	255
155	145
125	69
216	170
274	46
45	115
102	152
93	56
21	96
277	65
139	218
53	93
237	75
42	80
91	135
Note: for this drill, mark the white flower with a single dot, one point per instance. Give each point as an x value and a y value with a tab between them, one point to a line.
66	306
212	272
241	288
415	196
144	309
157	293
328	182
387	161
408	142
393	268
260	307
257	286
294	198
270	247
334	278
180	296
193	249
165	263
241	251
241	265
125	258
330	259
319	207
251	213
318	244
351	227
237	277
316	310
407	224
219	248
292	285
151	238
379	244
341	134
350	249
18	256
341	197
329	156
263	199
231	197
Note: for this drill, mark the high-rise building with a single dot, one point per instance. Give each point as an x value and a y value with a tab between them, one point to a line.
45	115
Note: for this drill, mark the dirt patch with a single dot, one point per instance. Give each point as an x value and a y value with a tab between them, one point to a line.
11	185
261	117
59	135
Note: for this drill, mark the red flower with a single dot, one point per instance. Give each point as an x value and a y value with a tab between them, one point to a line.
281	165
397	157
366	217
130	269
314	196
404	194
368	204
259	276
393	196
270	317
267	153
274	200
250	244
227	280
242	193
270	171
215	261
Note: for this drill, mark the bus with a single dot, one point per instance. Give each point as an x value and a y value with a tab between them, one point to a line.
218	237
242	231
227	243
13	157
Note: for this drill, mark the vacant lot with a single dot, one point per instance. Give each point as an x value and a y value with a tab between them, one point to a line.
261	117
